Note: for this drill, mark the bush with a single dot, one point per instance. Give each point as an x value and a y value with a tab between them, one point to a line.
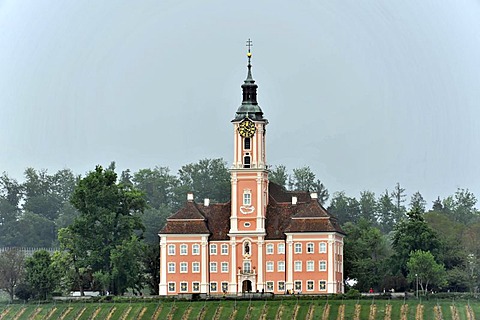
353	294
23	292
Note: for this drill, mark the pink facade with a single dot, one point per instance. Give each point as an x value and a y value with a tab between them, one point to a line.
265	239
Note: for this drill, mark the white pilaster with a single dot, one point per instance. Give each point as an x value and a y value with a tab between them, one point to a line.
260	280
162	290
204	285
331	266
289	263
233	266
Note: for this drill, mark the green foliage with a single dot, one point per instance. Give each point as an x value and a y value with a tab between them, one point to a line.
41	276
410	235
23	291
105	228
423	268
208	178
417	203
386	216
368	206
365	252
279	175
303	179
157	184
344	208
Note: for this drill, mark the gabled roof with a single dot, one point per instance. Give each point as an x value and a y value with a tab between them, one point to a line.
307	215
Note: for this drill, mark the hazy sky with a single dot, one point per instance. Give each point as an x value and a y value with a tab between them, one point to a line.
366	93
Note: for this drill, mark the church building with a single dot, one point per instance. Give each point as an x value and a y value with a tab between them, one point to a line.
264	239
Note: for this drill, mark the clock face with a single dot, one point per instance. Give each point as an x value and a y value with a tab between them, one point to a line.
246	129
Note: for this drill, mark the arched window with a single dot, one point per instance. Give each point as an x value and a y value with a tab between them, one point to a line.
246	161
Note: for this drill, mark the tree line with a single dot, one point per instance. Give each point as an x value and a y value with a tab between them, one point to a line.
105	226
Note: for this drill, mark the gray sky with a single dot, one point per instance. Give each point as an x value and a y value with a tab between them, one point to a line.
366	93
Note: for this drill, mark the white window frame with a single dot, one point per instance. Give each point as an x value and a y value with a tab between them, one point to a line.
196	286
171	249
224	285
213	249
183	267
247	198
310	247
171	267
213	267
313	285
320	283
170	284
183	250
195	267
269	267
245	269
297	285
320	263
281	266
270	286
195	249
224	267
213	286
298	247
186	286
322	247
281	285
224	249
297	266
310	265
281	248
270	248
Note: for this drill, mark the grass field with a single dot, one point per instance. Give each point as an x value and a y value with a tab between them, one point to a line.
232	310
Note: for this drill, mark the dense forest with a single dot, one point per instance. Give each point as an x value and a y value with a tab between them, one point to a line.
392	241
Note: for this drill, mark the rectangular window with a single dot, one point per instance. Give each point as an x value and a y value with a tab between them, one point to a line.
269	266
171	249
309	247
171	267
281	248
269	248
224	266
269	285
247	199
183	249
196	267
310	285
183	267
213	267
213	286
281	266
171	287
322	247
183	286
322	285
195	249
322	265
224	248
213	249
310	266
224	287
246	143
246	267
298	265
281	286
196	286
298	248
298	285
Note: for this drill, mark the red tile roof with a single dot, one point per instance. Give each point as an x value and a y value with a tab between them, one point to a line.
282	216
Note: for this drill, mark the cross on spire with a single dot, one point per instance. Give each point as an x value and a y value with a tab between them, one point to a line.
249	44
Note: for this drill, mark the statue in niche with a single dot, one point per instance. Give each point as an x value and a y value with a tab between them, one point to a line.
247	248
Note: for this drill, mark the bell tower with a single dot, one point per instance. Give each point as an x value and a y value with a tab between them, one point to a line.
249	175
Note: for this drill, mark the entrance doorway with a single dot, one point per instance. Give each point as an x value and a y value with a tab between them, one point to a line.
247	286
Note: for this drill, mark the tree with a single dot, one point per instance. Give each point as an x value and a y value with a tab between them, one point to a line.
109	219
209	178
365	254
279	175
385	212
410	235
368	206
303	179
10	190
344	208
11	270
40	274
417	202
422	265
398	196
157	184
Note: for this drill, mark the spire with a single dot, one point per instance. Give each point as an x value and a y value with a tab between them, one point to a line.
249	107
